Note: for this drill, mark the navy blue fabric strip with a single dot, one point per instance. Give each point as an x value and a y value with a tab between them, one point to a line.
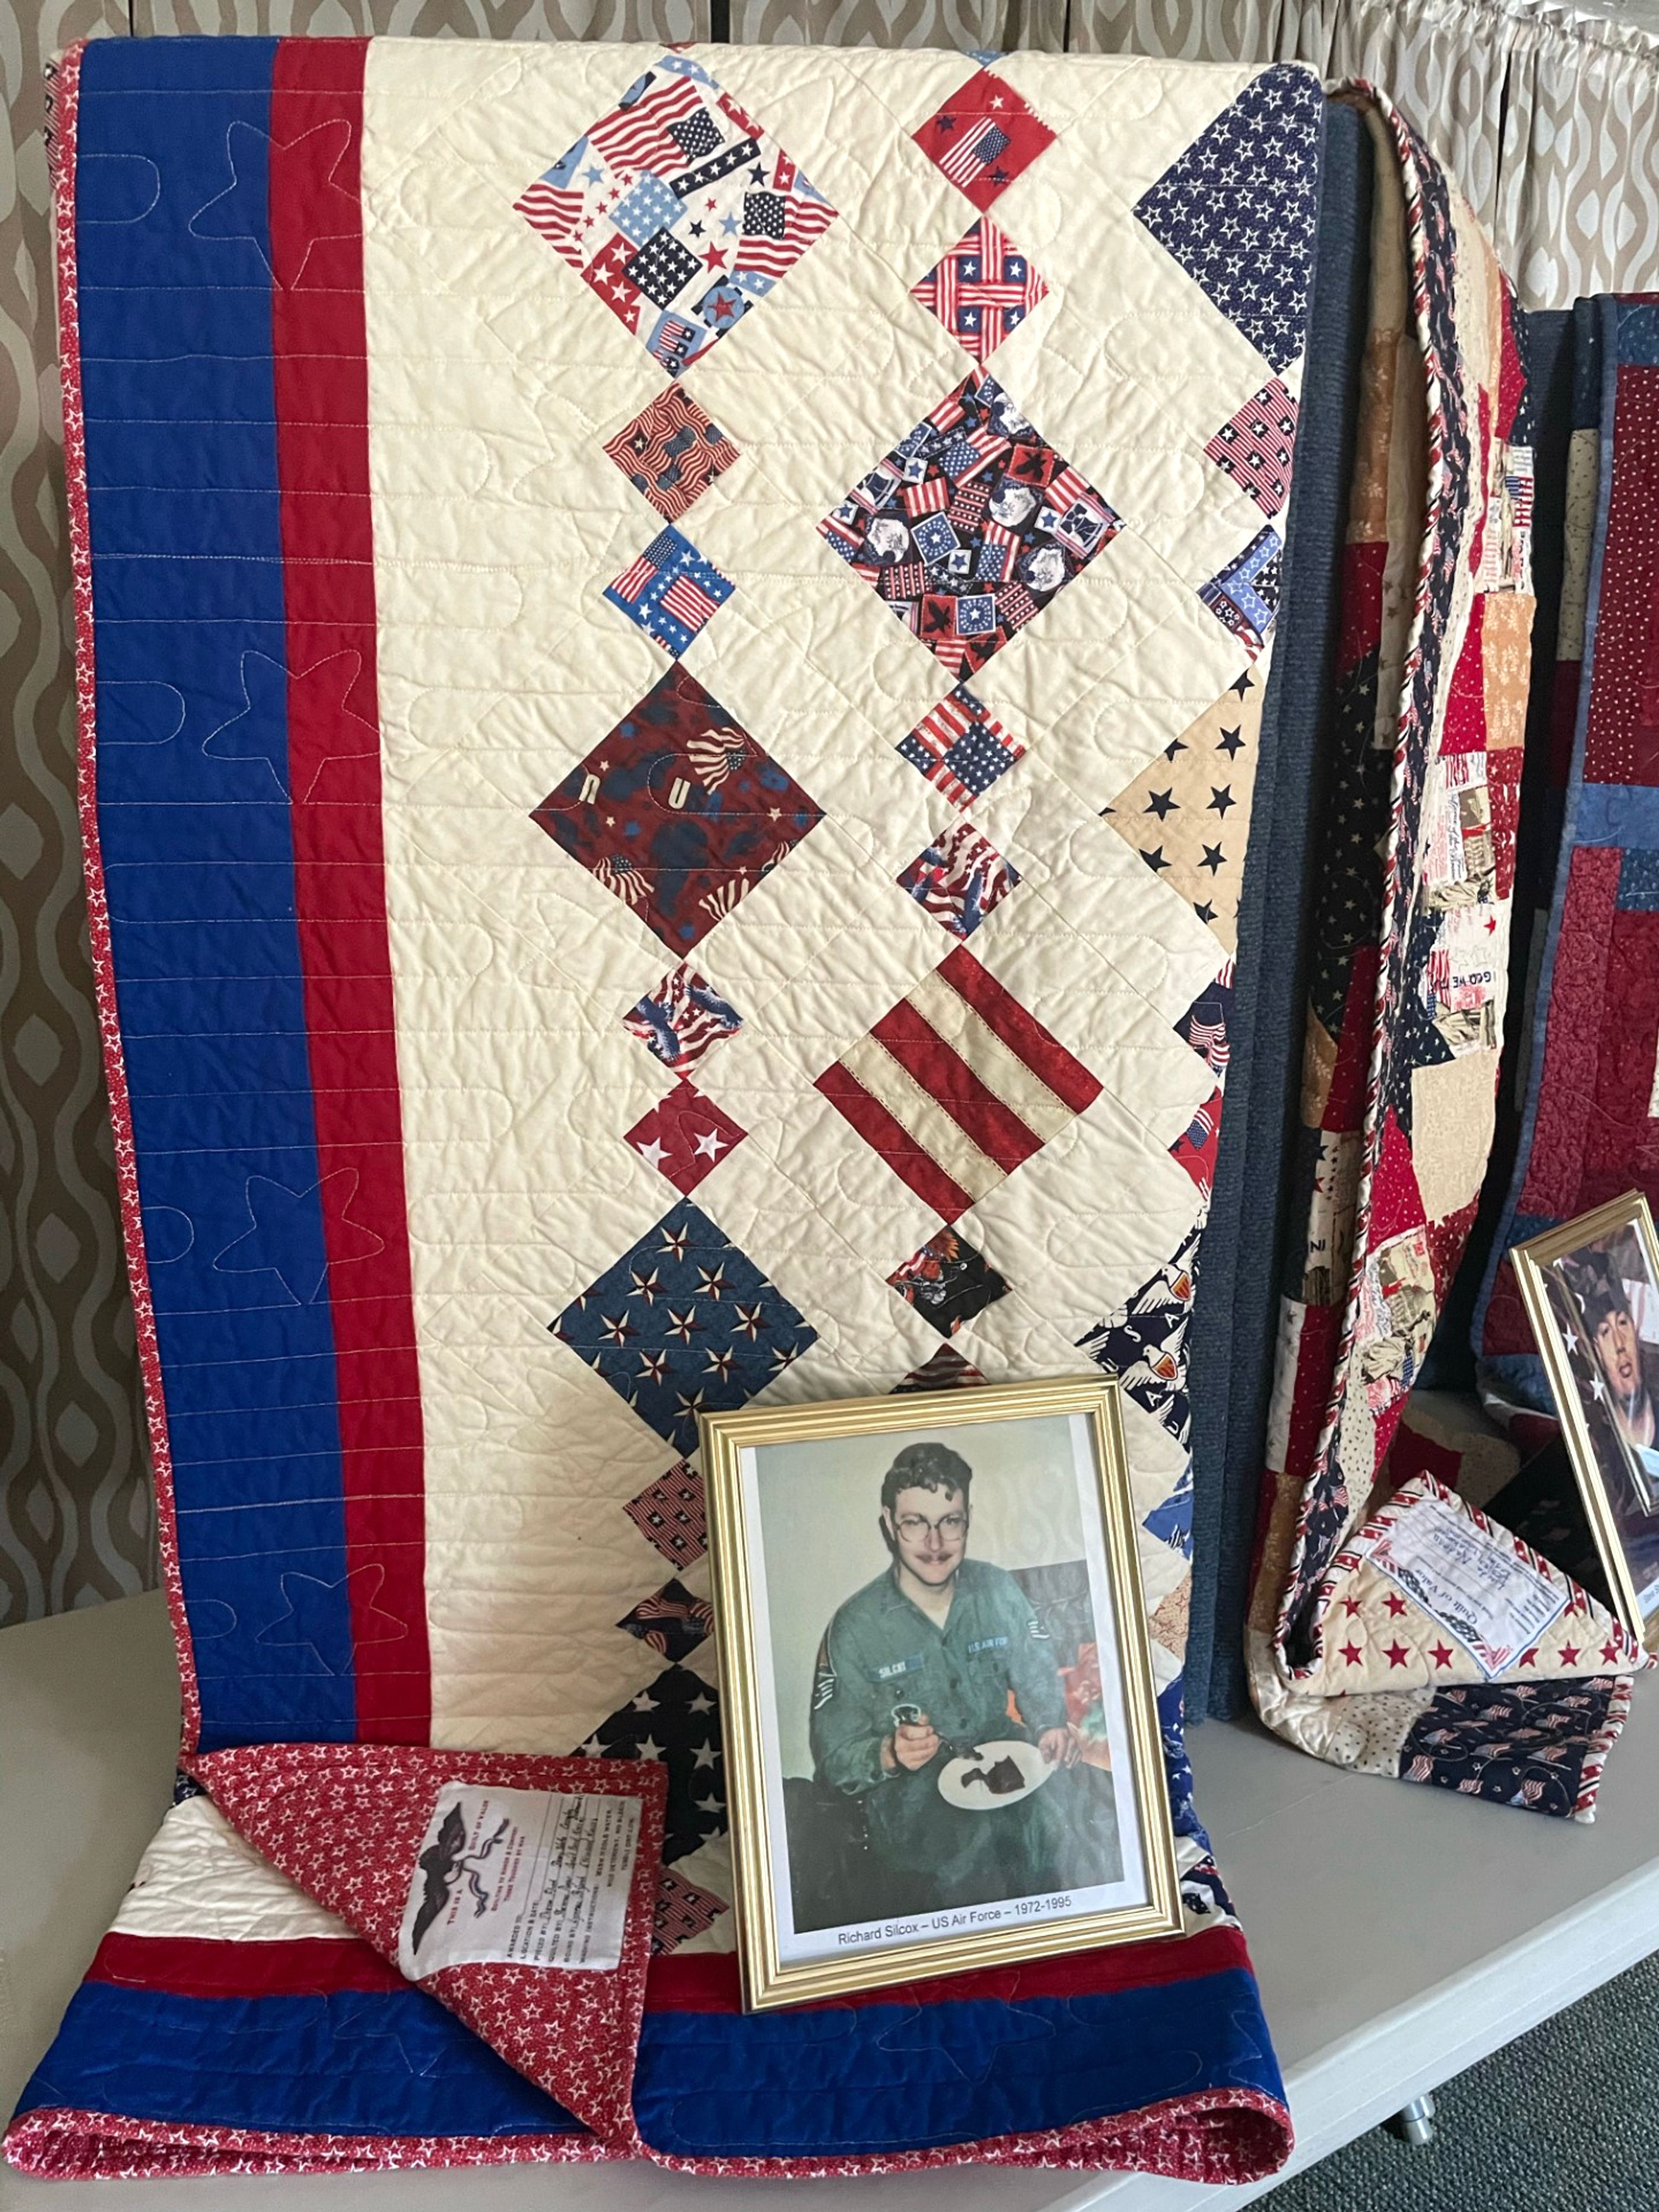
183	495
390	2063
855	2082
1235	1311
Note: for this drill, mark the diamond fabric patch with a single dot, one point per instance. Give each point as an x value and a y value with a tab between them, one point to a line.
1236	210
681	1019
678	812
959	879
970	525
984	138
670	452
957	1085
677	1722
677	209
1245	595
685	1136
961	748
982	290
948	1281
1255	446
683	1324
672	1621
669	1514
671	591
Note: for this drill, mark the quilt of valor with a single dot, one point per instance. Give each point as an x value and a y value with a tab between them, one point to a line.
1394	1629
671	648
1589	1085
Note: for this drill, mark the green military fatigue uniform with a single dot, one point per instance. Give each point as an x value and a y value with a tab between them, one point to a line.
881	1652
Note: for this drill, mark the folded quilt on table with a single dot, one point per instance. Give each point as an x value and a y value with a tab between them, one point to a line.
672	651
1587	1085
1394	1628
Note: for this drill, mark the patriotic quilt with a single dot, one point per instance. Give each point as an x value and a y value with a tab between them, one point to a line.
1393	1628
1589	1080
672	651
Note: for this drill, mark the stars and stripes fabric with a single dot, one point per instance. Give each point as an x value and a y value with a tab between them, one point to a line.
539	1015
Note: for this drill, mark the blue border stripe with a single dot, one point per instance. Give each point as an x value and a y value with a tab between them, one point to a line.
382	2063
859	2080
184	494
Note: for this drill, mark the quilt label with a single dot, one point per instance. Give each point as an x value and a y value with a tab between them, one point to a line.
1492	1603
520	1877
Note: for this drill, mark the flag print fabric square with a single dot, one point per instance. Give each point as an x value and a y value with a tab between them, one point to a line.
671	591
670	452
970	525
1254	446
678	812
984	138
681	1019
677	209
982	290
959	879
960	747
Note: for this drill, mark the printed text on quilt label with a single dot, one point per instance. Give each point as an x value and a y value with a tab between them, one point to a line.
524	1877
1473	1583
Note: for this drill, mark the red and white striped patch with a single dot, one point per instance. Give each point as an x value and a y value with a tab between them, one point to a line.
687	601
957	1085
637	137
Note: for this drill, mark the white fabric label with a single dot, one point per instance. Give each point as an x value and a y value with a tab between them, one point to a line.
525	1877
1474	1584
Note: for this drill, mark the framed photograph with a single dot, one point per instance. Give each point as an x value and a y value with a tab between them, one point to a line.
1592	1293
942	1747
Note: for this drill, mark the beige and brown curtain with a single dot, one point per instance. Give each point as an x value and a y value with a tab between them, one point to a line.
1550	119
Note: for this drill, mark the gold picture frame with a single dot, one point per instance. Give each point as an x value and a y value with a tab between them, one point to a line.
787	1486
1566	1277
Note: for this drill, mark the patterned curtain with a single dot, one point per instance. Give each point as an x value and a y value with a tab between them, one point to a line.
1551	121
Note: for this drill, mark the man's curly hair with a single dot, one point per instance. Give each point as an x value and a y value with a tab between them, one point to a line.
926	1466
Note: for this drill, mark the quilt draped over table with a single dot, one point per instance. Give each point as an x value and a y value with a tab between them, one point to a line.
672	651
1393	1627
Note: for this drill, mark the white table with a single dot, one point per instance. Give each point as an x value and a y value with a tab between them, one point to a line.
1400	1934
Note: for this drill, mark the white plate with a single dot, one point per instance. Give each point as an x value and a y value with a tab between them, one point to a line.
974	1798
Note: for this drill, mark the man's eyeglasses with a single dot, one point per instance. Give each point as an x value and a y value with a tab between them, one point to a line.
912	1527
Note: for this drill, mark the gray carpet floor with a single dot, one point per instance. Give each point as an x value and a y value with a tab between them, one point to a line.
1566	2119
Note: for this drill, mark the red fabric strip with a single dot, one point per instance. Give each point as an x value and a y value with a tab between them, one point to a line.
946	1078
202	1966
1044	1054
707	1981
1577	987
896	1144
334	760
1621	744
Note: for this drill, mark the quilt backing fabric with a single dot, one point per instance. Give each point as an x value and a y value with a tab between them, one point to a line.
1589	1083
672	651
1393	1628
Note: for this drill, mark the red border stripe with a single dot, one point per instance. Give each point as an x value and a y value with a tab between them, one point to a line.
321	370
209	1967
894	1143
1045	1055
707	1981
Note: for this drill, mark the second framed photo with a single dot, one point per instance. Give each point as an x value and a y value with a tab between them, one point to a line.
941	1737
1592	1293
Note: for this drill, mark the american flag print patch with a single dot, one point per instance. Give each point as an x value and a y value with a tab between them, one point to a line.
982	290
984	138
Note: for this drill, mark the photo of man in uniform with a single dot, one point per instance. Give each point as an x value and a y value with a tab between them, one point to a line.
940	1654
1624	1381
